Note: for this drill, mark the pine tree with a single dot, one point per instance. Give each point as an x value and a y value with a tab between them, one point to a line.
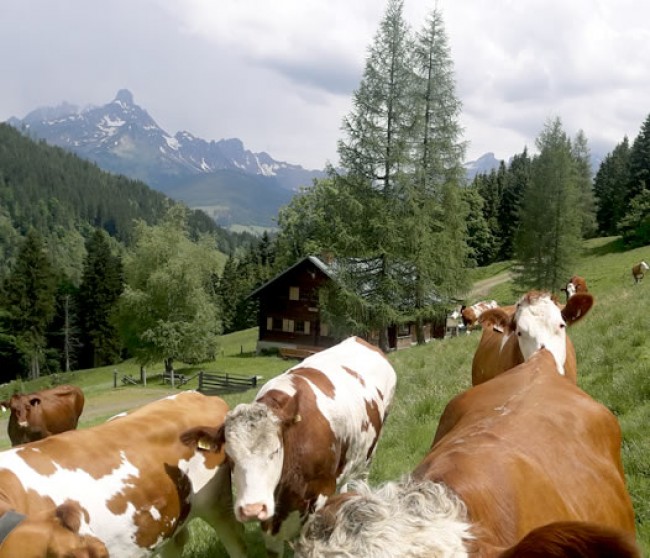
516	182
376	155
610	188
30	300
550	231
101	285
639	163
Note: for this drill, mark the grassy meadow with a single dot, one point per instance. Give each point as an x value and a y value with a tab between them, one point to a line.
613	366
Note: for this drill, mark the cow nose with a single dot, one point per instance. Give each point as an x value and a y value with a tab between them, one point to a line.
250	512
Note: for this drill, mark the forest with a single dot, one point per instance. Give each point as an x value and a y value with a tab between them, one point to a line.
96	268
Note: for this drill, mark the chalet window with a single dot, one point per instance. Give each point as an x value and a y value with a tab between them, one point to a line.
269	323
302	327
287	325
277	324
404	330
294	293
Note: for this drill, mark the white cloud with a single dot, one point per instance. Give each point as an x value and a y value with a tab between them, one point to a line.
279	75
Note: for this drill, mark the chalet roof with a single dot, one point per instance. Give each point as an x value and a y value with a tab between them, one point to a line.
313	259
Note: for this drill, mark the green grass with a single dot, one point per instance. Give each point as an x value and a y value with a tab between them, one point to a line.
613	366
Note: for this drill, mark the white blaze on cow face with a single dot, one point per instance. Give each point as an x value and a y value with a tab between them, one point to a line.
540	324
254	445
570	290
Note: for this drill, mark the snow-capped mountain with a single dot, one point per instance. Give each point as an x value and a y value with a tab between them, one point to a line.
122	137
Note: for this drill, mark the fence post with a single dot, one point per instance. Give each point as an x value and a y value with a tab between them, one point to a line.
114	377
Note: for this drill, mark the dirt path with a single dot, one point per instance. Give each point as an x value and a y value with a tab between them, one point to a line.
482	288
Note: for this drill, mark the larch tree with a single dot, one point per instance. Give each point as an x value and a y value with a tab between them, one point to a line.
584	180
550	228
433	217
168	310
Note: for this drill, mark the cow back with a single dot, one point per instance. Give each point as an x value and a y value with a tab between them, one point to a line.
45	412
541	450
132	475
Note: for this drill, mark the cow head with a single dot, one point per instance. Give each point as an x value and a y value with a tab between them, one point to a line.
55	534
23	408
540	322
254	445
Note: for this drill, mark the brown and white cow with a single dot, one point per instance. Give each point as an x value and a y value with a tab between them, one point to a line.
36	415
519	453
309	431
511	337
136	482
50	534
638	271
575	285
471	314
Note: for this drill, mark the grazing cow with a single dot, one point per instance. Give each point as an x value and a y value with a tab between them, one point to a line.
308	432
136	482
471	314
51	534
638	271
35	416
575	285
511	337
527	451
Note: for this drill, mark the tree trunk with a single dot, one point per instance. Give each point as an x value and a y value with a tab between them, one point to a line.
169	364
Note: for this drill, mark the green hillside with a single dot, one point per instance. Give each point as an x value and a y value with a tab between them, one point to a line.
613	366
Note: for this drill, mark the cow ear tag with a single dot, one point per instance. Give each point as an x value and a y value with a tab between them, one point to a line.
204	444
296	419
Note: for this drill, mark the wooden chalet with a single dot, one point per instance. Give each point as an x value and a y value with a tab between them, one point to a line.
289	313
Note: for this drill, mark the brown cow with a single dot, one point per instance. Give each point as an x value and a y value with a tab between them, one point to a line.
37	415
136	482
523	451
509	338
575	285
638	271
52	534
471	314
307	434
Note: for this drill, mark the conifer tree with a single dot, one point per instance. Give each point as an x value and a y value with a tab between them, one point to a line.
586	204
550	229
30	300
516	181
376	156
639	162
610	189
101	285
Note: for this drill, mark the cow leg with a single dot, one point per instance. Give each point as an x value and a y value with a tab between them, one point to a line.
214	504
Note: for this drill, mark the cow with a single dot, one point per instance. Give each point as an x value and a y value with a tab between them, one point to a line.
527	454
638	271
575	285
308	433
50	534
136	482
510	336
471	314
36	415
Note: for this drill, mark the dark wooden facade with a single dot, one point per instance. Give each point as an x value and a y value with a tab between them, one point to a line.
289	314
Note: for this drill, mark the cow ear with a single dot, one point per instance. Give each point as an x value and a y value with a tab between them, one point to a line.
5	406
69	514
204	438
577	307
34	401
497	318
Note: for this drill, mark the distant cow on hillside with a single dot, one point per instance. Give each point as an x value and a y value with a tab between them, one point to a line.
575	285
40	414
638	271
471	314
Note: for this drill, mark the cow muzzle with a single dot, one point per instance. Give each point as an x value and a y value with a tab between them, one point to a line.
253	512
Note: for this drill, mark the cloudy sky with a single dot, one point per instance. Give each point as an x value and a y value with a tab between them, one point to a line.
279	74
